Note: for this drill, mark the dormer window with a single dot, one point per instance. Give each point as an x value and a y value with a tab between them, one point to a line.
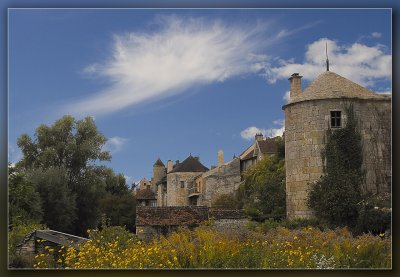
336	119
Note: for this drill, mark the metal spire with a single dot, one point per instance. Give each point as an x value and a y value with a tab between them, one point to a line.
327	60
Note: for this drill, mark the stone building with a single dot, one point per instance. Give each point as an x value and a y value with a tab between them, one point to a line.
177	180
255	152
190	183
322	106
223	179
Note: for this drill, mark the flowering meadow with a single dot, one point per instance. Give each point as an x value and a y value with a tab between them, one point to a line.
203	247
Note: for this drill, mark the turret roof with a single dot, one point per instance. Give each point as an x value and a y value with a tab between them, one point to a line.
191	164
159	163
330	85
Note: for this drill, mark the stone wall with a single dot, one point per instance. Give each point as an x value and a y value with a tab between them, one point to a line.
224	179
154	221
176	195
305	126
160	216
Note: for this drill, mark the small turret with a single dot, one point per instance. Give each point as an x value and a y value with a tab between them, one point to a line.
158	172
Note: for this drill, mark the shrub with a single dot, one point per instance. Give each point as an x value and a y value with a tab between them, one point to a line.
375	215
334	198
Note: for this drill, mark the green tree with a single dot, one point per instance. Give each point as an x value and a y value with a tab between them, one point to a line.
58	200
115	183
118	204
336	196
120	209
24	201
263	192
69	143
73	147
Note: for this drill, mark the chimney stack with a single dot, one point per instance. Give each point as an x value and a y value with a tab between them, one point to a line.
295	85
177	162
220	157
169	166
259	137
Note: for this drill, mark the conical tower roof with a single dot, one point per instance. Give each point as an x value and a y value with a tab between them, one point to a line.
330	85
159	163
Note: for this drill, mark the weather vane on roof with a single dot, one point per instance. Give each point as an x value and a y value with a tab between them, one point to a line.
327	60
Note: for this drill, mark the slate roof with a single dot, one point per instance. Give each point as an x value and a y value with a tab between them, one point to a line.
191	164
330	85
268	146
159	163
145	194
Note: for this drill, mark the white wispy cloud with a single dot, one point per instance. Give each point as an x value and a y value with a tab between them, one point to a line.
286	96
358	62
114	144
250	132
179	53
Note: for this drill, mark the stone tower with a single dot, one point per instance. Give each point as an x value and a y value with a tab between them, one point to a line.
159	172
321	106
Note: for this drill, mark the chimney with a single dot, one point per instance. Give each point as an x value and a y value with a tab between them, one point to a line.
220	157
259	137
169	166
295	85
177	162
197	158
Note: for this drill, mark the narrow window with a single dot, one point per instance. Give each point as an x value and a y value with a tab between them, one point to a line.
336	119
182	184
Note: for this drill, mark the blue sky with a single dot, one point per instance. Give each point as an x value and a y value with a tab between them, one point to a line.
169	83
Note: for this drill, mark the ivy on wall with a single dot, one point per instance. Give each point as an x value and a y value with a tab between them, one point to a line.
335	197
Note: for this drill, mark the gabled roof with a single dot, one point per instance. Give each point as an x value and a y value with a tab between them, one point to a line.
268	146
191	164
159	163
145	194
330	85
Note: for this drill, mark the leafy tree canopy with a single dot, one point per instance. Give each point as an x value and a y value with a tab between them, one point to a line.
61	161
263	192
73	144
